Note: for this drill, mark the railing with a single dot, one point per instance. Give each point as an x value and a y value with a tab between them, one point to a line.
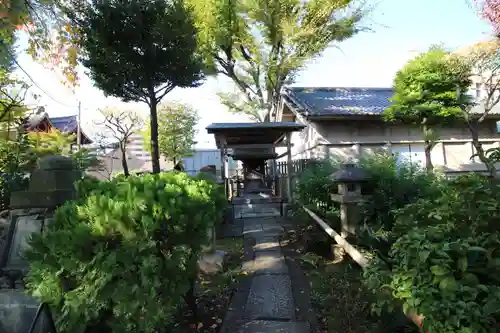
354	253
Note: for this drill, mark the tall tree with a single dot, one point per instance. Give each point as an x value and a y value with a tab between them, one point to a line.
122	124
140	50
262	44
425	95
176	131
482	63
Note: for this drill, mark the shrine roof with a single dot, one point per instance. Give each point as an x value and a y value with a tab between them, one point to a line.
266	133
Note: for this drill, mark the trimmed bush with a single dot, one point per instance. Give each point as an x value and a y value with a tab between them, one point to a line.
123	257
445	261
436	243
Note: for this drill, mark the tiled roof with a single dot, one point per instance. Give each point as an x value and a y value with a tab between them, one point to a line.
339	101
253	126
66	124
348	101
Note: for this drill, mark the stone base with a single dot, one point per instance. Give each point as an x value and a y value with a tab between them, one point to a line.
48	199
17	312
211	263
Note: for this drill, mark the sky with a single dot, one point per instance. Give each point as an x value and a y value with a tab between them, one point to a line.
399	29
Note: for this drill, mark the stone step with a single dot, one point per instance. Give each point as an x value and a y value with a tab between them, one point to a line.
268	326
270	296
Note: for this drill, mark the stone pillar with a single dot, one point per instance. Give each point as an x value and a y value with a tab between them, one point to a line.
349	210
275	175
349	179
51	185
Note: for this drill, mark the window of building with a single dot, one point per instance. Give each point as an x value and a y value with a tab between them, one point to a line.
478	90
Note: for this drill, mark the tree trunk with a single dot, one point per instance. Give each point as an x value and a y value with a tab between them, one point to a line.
428	161
155	153
478	146
428	144
124	160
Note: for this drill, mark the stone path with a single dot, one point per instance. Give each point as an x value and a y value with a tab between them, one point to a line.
265	304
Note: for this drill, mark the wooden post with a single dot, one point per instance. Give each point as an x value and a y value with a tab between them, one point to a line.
223	167
289	165
275	174
226	173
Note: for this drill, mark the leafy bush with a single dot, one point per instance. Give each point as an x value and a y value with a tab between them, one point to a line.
123	256
314	186
445	262
393	185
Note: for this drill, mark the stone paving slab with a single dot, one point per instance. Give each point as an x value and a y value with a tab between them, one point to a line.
252	227
266	243
269	262
267	303
265	326
272	228
270	296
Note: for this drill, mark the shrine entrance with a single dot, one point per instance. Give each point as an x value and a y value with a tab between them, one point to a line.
254	192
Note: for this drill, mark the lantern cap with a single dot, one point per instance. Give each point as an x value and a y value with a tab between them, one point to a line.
349	173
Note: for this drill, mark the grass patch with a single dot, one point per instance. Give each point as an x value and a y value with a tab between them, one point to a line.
211	285
341	302
338	297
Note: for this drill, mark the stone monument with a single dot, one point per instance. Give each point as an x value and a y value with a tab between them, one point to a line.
349	180
51	184
211	260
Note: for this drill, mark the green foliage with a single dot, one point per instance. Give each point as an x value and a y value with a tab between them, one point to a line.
140	51
18	158
491	157
176	131
430	91
122	257
262	44
426	89
435	243
392	185
445	261
15	162
153	46
314	186
57	143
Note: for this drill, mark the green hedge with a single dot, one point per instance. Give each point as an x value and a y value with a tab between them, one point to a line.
123	257
436	243
444	262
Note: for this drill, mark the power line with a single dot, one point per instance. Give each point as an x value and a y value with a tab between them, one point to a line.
33	81
40	88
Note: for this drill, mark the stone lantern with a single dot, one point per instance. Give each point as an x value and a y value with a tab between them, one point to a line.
51	185
349	180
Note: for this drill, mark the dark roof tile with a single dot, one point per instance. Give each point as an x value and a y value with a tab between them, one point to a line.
65	124
340	101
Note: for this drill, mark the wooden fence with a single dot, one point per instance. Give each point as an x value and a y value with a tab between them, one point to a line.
282	167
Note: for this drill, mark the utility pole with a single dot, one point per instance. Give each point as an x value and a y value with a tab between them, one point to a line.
78	127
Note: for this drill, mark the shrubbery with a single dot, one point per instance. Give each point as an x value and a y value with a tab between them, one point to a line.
436	243
445	261
313	188
123	257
